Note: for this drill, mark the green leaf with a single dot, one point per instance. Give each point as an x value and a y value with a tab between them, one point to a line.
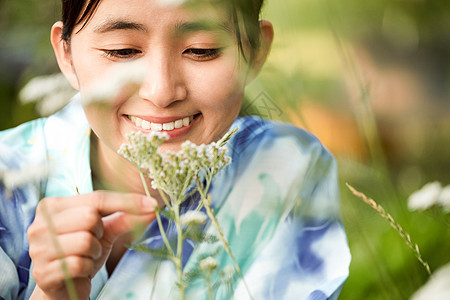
226	137
167	213
190	276
160	253
210	238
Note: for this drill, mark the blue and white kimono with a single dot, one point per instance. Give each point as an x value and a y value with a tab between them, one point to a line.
277	203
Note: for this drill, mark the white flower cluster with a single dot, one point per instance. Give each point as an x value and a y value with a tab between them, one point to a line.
211	157
122	78
178	175
208	264
173	172
193	218
437	287
430	194
50	92
142	147
228	274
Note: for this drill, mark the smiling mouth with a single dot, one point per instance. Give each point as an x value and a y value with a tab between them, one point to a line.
146	125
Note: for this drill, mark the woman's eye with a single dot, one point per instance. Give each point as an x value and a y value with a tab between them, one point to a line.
121	53
203	54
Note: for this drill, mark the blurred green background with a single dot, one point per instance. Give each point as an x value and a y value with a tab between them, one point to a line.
370	78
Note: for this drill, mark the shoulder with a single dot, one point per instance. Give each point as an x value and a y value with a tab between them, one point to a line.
292	158
30	142
26	150
20	138
60	143
22	150
256	134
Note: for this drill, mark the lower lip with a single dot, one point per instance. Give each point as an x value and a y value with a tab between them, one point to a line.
173	134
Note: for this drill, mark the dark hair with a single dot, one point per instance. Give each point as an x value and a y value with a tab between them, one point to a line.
71	15
250	11
245	11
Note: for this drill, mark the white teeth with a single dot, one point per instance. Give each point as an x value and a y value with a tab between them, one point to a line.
138	122
178	123
145	124
168	126
161	126
156	127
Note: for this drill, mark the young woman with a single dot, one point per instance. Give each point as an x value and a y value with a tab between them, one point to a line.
277	202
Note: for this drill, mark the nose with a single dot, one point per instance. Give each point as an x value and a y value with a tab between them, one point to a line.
163	83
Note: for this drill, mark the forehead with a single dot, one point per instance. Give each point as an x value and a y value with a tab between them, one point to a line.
145	15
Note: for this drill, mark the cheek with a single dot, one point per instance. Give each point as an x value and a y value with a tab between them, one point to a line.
101	118
217	93
88	64
218	87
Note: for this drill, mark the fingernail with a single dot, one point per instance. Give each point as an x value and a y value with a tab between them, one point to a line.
148	204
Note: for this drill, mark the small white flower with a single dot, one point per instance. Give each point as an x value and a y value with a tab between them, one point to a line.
193	217
173	173
437	287
41	86
207	264
228	274
54	102
444	198
50	92
426	197
154	185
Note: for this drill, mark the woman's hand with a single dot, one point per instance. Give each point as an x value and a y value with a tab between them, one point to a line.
77	234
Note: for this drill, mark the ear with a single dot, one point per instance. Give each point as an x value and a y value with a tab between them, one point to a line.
63	54
262	52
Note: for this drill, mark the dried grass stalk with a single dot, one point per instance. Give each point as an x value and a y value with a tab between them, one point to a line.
404	235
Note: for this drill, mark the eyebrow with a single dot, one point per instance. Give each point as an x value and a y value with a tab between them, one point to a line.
202	25
180	27
111	25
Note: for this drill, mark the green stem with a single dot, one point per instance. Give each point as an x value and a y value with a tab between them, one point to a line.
67	278
158	217
164	197
203	192
179	255
210	286
209	211
163	234
144	183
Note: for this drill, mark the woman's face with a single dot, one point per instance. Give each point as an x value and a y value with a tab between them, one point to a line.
195	75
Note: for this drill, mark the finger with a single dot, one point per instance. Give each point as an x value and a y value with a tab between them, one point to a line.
119	223
52	275
106	202
84	218
82	290
81	243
